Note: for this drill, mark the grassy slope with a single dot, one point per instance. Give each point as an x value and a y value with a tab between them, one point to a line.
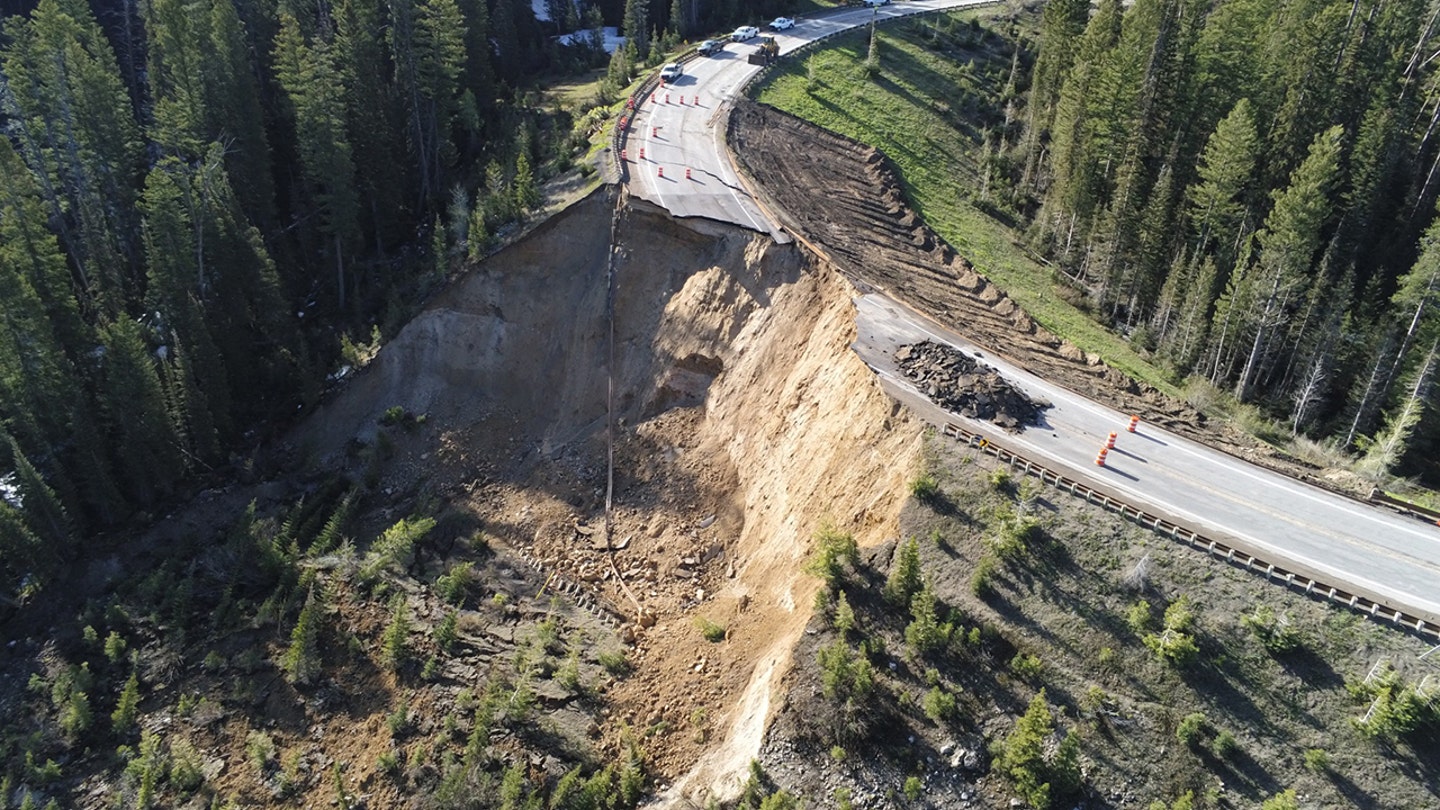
1066	601
920	108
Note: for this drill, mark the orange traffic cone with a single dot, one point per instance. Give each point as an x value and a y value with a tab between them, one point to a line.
687	173
1110	442
642	153
1100	459
1134	420
660	171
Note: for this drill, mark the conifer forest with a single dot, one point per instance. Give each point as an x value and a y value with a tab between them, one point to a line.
200	198
1247	189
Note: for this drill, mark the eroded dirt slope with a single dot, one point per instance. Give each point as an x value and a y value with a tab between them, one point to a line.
744	424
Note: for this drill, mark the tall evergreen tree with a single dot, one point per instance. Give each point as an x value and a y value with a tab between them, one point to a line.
134	401
1061	26
373	116
1288	244
41	506
178	52
312	84
72	121
236	114
636	26
1073	192
1215	202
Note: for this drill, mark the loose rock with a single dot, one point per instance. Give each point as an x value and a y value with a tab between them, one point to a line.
960	384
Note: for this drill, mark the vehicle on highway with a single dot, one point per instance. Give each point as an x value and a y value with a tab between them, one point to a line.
745	32
874	3
767	52
671	72
782	23
710	47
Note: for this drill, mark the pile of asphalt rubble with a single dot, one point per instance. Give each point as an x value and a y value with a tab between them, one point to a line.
960	384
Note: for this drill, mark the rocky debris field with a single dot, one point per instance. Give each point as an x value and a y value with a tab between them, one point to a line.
961	384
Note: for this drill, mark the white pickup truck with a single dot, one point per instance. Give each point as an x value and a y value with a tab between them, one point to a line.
745	32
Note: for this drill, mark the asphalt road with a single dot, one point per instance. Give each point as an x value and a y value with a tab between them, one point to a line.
1378	553
1372	551
683	127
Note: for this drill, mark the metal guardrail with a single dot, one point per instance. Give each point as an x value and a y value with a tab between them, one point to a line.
1308	585
812	44
1413	509
627	115
1291	579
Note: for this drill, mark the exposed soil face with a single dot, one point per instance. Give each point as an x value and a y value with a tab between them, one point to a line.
743	422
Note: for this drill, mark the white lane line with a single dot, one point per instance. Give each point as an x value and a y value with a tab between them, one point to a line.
1226	464
1136	496
734	182
1348	543
647	149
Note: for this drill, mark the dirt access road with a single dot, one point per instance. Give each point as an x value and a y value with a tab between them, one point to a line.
843	198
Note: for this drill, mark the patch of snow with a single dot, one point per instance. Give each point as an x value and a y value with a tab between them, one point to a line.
609	36
10	491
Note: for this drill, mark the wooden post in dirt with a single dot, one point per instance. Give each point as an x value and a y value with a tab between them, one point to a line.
610	371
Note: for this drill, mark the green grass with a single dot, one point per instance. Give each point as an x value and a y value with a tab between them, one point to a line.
937	89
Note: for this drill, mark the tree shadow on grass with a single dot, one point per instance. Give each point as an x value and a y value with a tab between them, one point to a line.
1353	793
1243	774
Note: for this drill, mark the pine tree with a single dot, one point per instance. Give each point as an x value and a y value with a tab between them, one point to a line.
43	511
1227	165
22	553
372	118
1129	127
1061	26
1288	243
134	403
478	78
1385	451
71	120
182	278
122	720
440	37
41	386
236	116
1021	757
312	84
905	578
177	67
527	194
302	657
1072	193
636	26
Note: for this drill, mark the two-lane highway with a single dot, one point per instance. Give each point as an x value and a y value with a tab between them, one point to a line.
1368	550
682	126
1335	539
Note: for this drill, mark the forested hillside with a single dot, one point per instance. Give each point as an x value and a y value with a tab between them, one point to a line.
200	198
1247	188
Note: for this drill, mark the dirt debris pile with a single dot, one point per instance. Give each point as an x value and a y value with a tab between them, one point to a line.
961	384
